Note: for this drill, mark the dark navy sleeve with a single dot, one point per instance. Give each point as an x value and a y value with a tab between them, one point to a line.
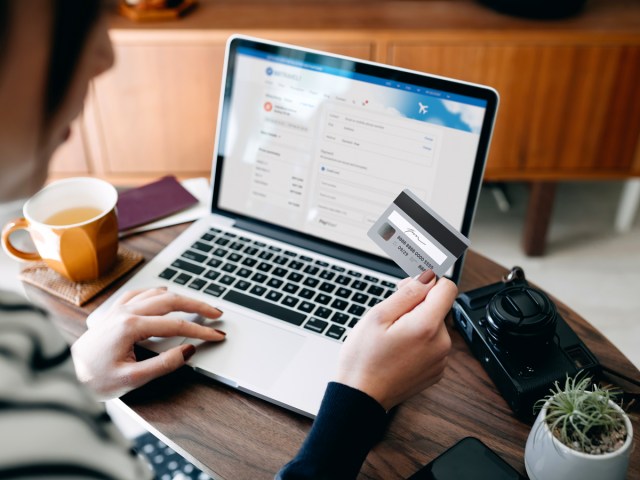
348	424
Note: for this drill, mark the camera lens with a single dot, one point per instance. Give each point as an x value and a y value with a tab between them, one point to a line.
520	319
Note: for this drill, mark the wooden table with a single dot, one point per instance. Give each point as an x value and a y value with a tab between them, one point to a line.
235	436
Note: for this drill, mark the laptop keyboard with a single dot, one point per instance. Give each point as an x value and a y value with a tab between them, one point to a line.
308	292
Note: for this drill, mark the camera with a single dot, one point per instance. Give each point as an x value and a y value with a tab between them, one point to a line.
523	343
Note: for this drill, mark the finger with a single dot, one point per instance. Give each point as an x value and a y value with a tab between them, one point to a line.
403	282
402	301
427	317
162	364
169	327
126	296
170	302
147	293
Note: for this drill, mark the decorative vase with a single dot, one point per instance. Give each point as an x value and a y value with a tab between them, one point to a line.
547	458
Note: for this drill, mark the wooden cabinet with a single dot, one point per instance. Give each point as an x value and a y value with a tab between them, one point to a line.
570	102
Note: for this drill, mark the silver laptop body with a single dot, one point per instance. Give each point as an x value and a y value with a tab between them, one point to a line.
310	149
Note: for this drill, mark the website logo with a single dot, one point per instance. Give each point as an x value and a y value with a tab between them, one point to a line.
281	74
269	71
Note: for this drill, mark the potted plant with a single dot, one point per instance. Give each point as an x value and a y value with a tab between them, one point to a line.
579	433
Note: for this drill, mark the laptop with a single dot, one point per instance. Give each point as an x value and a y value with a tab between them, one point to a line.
311	148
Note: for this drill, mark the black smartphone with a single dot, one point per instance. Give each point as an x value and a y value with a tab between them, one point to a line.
469	459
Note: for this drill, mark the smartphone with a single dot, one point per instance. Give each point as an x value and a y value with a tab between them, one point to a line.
469	459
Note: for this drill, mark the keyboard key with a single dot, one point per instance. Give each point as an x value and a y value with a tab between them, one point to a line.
197	284
322	299
291	288
227	280
337	268
343	292
353	322
242	285
359	285
245	239
290	301
321	263
375	290
251	251
295	265
323	312
259	278
280	272
265	255
249	262
327	287
182	279
281	260
214	262
360	298
268	308
311	282
207	237
311	270
196	257
274	283
327	275
343	280
236	246
388	293
243	272
265	267
316	325
306	307
273	296
259	244
353	273
305	258
289	253
335	331
356	310
212	275
371	279
374	301
306	293
295	277
274	248
187	267
388	284
258	290
215	290
215	230
340	318
168	273
339	304
203	247
230	235
222	241
229	267
220	252
235	257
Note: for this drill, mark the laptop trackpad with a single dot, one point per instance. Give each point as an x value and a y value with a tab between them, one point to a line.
253	354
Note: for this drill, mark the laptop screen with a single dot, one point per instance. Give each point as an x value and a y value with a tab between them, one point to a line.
321	145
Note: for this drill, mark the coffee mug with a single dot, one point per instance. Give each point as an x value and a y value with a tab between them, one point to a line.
74	227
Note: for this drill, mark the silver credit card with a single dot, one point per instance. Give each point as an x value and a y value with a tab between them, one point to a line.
416	237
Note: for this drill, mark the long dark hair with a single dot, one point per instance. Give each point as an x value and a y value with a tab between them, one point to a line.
72	22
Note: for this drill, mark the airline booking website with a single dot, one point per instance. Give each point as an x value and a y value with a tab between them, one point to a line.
324	151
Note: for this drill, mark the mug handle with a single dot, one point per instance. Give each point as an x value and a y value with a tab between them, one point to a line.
18	224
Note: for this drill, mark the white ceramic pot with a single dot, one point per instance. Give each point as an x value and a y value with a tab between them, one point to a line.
546	458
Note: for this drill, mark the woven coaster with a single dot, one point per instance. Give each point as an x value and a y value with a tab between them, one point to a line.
41	276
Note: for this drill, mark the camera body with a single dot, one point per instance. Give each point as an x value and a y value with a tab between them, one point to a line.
523	343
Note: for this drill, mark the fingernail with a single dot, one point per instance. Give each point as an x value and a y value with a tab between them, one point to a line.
188	351
426	276
219	311
220	332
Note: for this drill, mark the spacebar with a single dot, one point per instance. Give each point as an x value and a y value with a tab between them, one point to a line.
267	308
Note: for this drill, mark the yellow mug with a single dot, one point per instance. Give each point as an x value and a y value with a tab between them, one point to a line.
74	227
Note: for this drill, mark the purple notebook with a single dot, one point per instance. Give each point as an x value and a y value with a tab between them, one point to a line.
152	201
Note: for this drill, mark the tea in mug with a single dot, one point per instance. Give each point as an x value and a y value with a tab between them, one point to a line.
74	215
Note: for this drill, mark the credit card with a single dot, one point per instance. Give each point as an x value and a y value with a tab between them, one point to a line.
416	237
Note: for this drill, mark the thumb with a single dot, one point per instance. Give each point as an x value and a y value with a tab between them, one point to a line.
161	364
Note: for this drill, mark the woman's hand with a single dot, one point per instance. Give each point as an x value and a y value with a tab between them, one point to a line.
104	357
400	346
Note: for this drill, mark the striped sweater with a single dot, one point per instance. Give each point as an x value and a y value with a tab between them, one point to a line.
50	426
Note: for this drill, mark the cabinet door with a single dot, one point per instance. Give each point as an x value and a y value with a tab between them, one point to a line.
565	110
156	109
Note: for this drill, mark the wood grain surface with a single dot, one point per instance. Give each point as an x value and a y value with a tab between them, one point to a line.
232	435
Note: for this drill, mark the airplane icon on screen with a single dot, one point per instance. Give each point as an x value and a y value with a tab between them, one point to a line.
423	108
